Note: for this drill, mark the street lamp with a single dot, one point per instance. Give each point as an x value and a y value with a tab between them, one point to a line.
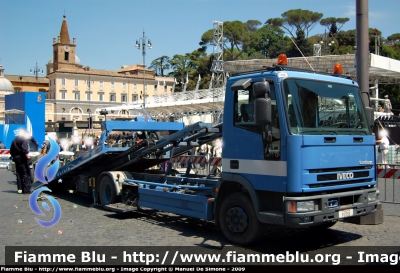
265	44
36	70
89	85
145	40
326	42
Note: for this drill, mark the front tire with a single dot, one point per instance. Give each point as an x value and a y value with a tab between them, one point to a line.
107	191
238	220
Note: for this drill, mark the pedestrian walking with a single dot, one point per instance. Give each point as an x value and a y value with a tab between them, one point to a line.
19	151
383	148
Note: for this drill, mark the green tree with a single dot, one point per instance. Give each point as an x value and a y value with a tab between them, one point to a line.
179	65
302	44
159	65
346	42
333	24
391	51
392	90
297	21
269	42
191	65
394	37
237	38
202	63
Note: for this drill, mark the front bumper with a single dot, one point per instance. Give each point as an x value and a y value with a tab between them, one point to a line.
331	207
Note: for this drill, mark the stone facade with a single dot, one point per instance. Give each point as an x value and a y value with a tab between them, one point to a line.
76	91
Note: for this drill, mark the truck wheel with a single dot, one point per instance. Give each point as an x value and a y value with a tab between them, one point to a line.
107	192
238	219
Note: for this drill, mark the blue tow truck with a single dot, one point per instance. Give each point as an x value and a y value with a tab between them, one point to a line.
298	151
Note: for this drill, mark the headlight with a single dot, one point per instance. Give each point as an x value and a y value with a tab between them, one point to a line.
372	196
305	206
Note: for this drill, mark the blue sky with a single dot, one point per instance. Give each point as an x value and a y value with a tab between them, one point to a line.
106	30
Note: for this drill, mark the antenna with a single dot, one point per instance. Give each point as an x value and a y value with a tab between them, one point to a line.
301	53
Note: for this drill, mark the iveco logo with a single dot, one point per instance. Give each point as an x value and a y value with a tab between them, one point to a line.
342	176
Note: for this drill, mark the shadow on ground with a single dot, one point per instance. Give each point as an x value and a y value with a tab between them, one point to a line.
276	239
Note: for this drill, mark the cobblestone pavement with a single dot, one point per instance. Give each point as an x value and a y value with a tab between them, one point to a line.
81	224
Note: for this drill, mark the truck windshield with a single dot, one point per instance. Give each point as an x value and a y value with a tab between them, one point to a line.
319	107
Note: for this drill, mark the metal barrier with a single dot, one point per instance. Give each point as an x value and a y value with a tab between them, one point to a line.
388	183
4	158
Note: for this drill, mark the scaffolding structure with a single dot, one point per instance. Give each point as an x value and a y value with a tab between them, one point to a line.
197	104
218	79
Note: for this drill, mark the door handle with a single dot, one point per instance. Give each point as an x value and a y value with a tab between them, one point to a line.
234	164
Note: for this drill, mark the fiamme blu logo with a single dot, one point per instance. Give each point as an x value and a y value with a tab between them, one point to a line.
46	169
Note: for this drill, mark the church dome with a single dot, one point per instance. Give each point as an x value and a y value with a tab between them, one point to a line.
6	86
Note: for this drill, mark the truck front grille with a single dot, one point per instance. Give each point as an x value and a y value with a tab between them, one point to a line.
337	183
334	176
341	176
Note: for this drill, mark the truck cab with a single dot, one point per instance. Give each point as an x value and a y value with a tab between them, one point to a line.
298	146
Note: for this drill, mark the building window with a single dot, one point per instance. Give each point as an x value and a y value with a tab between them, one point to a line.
112	97
124	86
63	94
63	81
101	96
165	88
134	97
134	86
101	84
124	98
124	113
66	56
76	96
76	82
112	85
76	110
89	96
89	84
54	82
17	90
155	88
76	113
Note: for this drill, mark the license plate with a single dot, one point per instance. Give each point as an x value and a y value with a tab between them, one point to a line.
346	213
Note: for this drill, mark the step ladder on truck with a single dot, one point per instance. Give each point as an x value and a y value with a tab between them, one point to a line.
286	158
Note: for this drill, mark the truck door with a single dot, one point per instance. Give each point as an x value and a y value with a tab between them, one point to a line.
244	151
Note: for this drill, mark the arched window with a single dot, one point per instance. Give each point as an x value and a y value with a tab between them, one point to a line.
124	113
76	113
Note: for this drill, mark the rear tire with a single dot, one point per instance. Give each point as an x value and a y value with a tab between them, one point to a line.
238	220
107	191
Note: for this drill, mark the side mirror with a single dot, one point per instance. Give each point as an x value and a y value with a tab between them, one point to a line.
261	89
262	103
262	111
369	112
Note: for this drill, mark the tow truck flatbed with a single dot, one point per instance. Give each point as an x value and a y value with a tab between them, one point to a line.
143	154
